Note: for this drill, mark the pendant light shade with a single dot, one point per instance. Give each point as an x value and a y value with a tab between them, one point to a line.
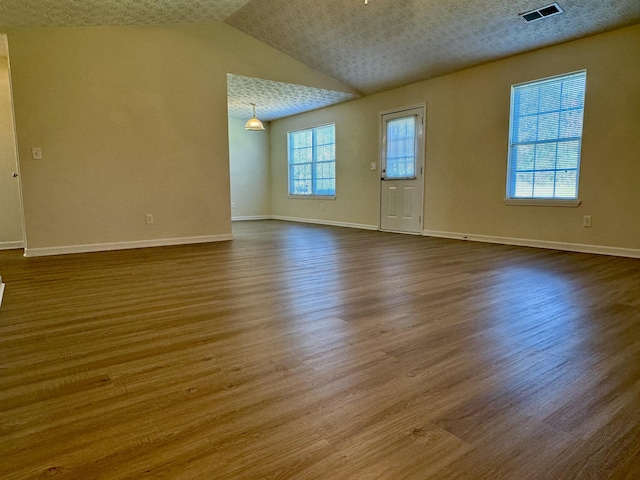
254	123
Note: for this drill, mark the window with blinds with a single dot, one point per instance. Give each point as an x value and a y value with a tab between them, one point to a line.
312	161
401	148
546	137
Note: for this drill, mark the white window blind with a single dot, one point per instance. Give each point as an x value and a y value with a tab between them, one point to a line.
312	161
401	148
546	137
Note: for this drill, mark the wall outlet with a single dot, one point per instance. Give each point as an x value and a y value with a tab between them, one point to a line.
586	221
36	153
374	165
233	205
321	206
149	218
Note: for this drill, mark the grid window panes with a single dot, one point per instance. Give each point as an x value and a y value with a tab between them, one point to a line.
401	148
545	137
312	161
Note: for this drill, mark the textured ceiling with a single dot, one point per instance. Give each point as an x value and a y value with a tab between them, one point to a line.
54	13
276	99
389	43
373	47
3	46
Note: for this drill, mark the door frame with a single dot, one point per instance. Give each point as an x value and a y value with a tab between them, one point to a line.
381	134
23	243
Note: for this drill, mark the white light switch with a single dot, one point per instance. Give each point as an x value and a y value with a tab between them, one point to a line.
36	153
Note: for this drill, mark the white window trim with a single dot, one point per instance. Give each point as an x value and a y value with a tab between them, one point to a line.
539	201
543	202
309	196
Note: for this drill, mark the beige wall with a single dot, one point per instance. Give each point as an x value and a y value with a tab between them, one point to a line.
10	209
131	120
467	120
356	200
249	165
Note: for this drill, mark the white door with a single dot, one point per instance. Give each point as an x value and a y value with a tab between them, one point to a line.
402	166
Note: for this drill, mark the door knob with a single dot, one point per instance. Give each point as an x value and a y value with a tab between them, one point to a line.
14	175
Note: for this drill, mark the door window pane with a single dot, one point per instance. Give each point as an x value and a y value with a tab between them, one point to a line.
401	148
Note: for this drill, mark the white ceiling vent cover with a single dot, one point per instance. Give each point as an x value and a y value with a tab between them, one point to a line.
543	12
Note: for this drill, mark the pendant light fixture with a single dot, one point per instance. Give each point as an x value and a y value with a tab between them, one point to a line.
254	123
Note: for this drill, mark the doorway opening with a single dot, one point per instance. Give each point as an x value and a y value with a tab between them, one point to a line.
11	213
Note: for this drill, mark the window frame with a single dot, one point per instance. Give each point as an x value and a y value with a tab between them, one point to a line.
510	198
386	139
313	163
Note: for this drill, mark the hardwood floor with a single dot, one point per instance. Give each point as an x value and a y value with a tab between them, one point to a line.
308	352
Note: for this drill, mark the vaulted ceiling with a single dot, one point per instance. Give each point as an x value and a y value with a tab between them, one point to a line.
389	43
373	47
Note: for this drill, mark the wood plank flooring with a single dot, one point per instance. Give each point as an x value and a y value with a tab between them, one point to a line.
308	352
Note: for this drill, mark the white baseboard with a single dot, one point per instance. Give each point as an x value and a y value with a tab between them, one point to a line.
523	242
251	217
104	247
326	222
1	290
11	245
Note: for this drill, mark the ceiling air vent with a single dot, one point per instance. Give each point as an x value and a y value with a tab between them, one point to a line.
548	11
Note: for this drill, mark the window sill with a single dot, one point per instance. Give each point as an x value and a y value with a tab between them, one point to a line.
541	202
312	197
